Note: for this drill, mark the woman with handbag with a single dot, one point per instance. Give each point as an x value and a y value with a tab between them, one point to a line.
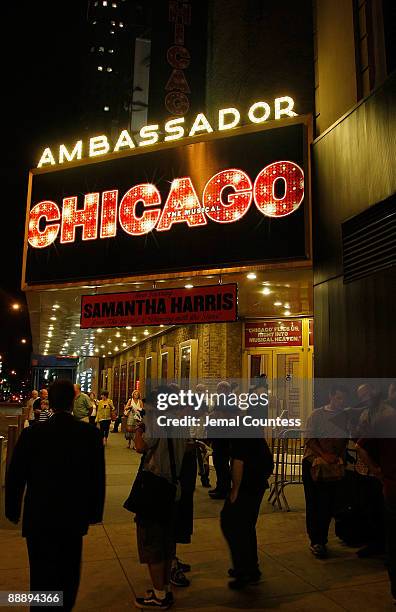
104	415
132	411
323	468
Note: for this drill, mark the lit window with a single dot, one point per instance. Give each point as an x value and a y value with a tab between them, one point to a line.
104	2
111	31
113	23
109	69
111	50
101	49
106	108
121	24
114	4
100	68
94	23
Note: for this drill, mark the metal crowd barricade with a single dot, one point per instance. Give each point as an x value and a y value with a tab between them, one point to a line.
288	453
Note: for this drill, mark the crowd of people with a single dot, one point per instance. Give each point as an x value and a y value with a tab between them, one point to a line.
349	473
162	494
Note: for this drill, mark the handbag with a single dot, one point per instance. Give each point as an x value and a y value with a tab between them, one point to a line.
321	471
153	496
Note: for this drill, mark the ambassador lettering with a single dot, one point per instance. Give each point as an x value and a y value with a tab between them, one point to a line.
174	129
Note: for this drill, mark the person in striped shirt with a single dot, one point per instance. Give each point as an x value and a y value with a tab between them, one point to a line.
45	412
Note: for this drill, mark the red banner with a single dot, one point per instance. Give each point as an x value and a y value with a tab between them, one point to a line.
273	333
209	304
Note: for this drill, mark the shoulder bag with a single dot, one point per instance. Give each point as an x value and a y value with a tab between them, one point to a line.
321	471
153	496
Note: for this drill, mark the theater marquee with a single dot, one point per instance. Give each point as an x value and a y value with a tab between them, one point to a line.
210	304
224	202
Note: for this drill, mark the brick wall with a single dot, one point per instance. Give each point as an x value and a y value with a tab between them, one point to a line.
219	350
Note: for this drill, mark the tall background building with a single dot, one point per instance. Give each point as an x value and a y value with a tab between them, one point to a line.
115	67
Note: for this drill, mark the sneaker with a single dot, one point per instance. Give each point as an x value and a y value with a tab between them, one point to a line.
150	601
318	550
253	577
218	495
184	567
242	582
371	550
178	578
169	596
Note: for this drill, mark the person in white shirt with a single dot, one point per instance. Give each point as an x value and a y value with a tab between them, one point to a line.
29	407
133	412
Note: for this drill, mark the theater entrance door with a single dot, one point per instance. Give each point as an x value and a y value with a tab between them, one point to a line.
289	373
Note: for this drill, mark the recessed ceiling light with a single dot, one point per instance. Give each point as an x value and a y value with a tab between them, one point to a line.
118	334
109	352
146	332
188	286
128	327
116	348
124	344
73	333
109	340
96	350
53	318
102	346
277	303
99	330
286	313
134	338
251	275
162	325
77	325
286	305
55	306
266	291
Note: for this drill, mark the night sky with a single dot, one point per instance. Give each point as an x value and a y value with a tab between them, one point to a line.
43	48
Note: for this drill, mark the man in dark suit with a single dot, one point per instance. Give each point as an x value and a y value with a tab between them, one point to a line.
61	464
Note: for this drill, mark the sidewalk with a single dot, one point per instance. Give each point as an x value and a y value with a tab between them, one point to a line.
292	579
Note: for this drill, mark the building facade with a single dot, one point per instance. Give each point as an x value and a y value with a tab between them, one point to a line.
334	61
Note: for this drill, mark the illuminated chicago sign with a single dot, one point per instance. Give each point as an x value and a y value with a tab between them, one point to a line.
174	129
277	191
228	200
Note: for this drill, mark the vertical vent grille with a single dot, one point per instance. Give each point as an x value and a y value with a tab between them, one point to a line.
369	241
